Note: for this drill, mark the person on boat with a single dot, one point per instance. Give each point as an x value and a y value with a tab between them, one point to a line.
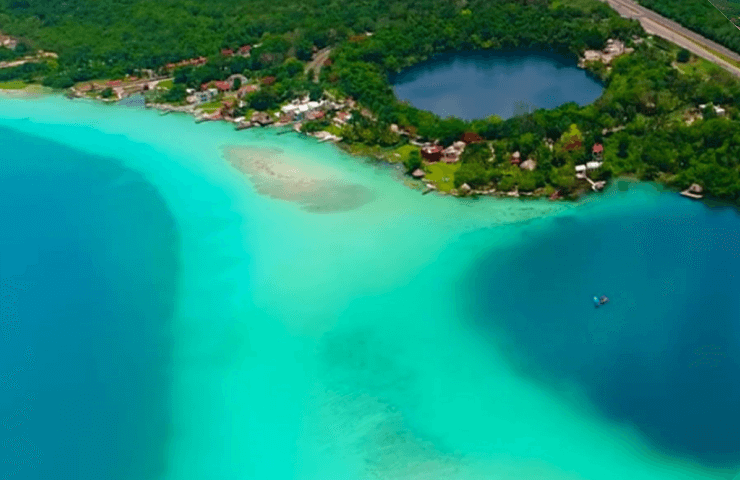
603	299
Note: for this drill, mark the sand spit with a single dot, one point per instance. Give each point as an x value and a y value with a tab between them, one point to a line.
274	174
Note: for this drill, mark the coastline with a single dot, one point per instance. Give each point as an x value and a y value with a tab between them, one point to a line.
358	357
32	91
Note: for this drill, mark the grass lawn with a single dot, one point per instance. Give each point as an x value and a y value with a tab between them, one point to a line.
334	130
210	107
166	84
404	151
442	174
13	85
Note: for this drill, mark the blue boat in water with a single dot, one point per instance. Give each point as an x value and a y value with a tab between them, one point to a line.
600	301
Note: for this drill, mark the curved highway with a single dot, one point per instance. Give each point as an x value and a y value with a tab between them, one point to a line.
655	24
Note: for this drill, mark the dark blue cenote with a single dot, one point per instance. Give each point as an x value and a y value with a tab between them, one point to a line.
88	270
663	354
472	85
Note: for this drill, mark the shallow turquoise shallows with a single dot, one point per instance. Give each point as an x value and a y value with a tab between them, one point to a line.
188	302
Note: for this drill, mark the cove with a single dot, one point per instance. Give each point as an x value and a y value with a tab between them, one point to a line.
473	85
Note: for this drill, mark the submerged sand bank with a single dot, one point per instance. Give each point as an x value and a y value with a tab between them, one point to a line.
275	174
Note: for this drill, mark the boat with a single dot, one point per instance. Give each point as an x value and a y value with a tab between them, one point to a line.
600	301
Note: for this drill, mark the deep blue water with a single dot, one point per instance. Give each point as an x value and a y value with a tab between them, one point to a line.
88	263
472	85
664	353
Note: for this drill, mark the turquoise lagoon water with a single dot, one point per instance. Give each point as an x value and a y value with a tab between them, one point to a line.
166	316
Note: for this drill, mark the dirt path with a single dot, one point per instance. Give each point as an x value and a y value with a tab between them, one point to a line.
658	25
316	64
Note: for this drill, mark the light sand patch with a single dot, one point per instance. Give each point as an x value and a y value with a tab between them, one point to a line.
29	92
317	190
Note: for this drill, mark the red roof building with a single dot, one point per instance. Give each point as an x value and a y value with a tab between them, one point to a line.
245	49
598	149
432	153
222	86
471	137
247	89
114	83
227	52
268	80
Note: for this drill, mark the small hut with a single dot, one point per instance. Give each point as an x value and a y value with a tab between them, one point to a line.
418	173
516	158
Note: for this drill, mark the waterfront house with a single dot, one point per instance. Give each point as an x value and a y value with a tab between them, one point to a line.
245	50
227	106
452	153
315	115
262	118
580	169
431	153
289	109
341	118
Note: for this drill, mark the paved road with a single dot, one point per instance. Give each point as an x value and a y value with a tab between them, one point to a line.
658	25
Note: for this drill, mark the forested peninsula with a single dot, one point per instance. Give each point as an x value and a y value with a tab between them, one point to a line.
664	115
